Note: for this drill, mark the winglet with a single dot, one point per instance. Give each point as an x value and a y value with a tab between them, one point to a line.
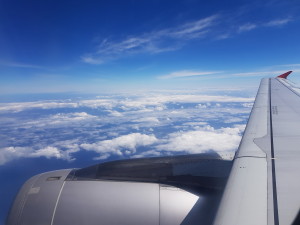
284	75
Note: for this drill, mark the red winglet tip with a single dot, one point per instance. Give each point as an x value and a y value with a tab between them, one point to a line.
285	75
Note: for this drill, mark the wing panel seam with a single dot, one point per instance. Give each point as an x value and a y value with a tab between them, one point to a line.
249	156
58	197
275	202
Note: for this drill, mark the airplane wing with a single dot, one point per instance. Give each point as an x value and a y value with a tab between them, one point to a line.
263	187
260	186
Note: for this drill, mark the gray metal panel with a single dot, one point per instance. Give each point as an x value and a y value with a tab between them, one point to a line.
175	204
105	202
244	201
37	199
286	136
257	124
273	128
19	202
45	199
245	198
112	202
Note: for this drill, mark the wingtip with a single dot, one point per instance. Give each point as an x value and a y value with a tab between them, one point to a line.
285	75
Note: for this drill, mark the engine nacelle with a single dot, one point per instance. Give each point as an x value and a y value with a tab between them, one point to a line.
158	191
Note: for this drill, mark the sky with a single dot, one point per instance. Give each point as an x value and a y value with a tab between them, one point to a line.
84	82
110	46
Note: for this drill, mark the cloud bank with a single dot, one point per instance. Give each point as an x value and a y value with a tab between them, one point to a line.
128	126
203	139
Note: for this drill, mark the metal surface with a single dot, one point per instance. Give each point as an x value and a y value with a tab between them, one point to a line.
285	107
109	202
101	195
175	205
103	202
264	184
36	201
244	201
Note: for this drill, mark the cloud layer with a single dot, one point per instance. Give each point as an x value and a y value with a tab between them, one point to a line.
203	139
122	126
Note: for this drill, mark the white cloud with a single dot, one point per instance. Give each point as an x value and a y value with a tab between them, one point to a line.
150	153
10	153
247	27
278	22
223	36
195	123
159	100
91	60
72	116
91	103
233	120
201	106
248	105
20	106
194	29
186	73
96	103
205	139
152	42
147	119
115	113
241	127
196	99
117	145
272	23
151	116
60	119
217	27
58	149
47	152
102	156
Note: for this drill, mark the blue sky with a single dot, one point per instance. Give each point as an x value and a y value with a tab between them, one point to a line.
100	46
209	54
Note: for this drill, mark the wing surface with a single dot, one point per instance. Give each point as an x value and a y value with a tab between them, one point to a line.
263	187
